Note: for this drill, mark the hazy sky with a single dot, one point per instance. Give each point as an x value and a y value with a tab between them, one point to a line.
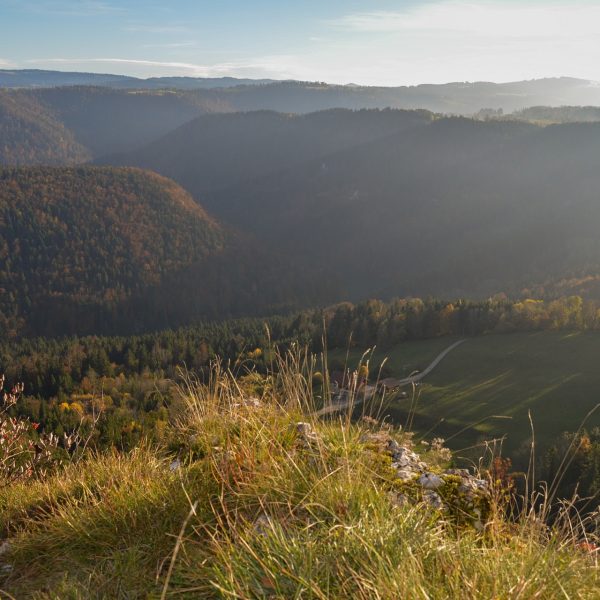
362	41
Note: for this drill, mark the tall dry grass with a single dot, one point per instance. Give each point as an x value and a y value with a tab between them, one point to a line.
258	497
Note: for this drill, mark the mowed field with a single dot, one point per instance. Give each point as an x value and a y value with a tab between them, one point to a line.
555	375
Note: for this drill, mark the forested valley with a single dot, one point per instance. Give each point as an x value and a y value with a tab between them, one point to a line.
153	232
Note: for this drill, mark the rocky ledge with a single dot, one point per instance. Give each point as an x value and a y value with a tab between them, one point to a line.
456	494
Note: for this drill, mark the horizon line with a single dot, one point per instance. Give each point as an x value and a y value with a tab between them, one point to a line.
6	69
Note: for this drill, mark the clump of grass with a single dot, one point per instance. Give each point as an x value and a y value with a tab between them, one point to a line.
255	497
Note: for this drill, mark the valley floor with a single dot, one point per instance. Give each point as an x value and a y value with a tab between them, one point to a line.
555	375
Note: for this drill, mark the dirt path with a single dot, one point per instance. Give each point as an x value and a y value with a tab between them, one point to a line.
369	390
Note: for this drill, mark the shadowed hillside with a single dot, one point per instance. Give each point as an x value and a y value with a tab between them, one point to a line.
106	120
455	207
216	151
62	126
30	133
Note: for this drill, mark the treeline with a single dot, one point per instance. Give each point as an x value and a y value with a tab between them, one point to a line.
385	324
126	371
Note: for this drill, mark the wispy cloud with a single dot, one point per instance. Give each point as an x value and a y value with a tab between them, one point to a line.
5	63
126	61
460	40
528	19
263	67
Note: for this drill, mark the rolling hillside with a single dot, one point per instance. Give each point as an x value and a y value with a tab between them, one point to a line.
107	250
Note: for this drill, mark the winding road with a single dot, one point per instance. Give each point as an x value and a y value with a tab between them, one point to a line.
390	383
394	383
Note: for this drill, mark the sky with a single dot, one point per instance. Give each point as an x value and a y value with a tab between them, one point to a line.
371	42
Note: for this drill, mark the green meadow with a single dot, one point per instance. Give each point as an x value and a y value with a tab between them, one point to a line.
555	376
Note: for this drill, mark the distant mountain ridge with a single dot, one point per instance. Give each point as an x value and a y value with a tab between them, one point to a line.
458	98
73	124
38	78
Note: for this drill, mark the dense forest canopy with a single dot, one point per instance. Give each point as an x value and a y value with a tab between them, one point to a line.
92	237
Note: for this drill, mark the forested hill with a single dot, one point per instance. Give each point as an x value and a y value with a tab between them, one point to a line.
77	240
30	133
215	151
120	250
94	236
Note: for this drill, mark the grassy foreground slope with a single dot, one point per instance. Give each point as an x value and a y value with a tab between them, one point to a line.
250	497
553	374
